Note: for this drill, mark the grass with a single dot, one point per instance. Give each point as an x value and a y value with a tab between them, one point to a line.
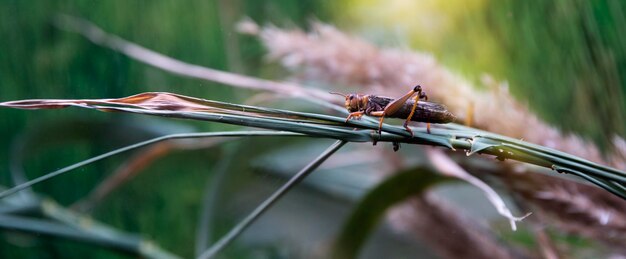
44	62
293	123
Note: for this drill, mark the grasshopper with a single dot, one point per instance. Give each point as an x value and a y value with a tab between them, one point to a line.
408	106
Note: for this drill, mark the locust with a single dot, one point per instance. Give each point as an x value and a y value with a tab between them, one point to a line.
413	106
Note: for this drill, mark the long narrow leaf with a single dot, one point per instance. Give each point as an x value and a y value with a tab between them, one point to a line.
372	207
451	136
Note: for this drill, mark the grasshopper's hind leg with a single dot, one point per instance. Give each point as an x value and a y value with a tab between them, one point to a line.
406	122
396	104
420	95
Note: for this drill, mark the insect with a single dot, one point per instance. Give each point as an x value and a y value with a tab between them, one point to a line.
408	106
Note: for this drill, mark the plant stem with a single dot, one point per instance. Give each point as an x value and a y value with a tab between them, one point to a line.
25	185
258	211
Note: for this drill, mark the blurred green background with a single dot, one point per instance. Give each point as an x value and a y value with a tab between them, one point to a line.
566	59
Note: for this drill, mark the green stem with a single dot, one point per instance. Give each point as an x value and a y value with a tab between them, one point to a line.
259	210
138	145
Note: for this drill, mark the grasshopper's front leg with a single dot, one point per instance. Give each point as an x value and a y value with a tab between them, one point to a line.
356	115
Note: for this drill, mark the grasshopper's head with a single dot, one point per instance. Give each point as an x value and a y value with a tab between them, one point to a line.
354	102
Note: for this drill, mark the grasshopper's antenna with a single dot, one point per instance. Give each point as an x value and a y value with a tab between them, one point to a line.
344	95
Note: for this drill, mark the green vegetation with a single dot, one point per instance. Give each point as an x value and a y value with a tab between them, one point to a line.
566	58
41	61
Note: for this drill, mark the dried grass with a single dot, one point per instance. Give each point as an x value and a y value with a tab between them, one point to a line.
327	54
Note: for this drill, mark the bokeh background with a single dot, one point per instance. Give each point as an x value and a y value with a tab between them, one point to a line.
564	59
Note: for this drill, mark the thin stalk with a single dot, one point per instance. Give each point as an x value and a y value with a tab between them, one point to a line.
258	211
210	198
158	60
25	185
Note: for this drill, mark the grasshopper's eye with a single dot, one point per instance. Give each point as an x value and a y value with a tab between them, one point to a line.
351	97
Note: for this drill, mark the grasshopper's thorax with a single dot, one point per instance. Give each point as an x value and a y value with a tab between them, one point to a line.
356	102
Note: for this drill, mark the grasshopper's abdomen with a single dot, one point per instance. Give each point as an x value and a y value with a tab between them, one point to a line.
425	112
